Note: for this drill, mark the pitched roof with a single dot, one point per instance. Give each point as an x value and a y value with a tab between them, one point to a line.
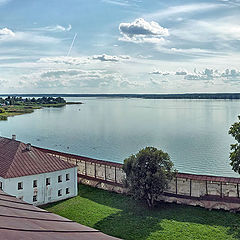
20	220
17	161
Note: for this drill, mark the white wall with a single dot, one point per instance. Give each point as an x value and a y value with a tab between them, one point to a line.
45	194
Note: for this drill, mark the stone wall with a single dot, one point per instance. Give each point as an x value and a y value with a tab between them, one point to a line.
211	192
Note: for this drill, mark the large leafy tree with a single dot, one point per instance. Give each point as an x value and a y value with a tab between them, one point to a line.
148	174
235	148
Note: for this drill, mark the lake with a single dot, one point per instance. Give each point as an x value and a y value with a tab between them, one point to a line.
193	132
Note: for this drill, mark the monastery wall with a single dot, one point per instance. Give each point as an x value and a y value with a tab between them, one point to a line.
211	192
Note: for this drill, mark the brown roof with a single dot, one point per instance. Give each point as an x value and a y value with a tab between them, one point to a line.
17	161
20	220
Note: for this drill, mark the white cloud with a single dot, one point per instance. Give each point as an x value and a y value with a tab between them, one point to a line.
83	60
157	72
2	83
126	84
231	3
74	78
54	28
117	2
61	73
110	58
65	60
233	73
6	33
35	38
141	31
211	74
182	9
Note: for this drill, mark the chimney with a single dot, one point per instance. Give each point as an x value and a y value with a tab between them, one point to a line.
13	137
29	147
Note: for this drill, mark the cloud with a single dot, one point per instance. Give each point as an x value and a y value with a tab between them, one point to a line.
141	31
54	28
231	74
109	58
83	60
231	3
206	74
157	83
6	33
64	60
181	72
182	9
211	74
126	84
117	2
154	82
61	73
2	82
157	72
76	79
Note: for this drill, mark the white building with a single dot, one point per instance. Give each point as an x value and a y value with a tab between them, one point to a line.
34	176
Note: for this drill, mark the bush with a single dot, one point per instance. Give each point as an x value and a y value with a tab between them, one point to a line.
2	110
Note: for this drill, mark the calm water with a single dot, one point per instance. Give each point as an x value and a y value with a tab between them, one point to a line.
193	132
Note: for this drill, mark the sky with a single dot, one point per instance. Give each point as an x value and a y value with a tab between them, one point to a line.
119	46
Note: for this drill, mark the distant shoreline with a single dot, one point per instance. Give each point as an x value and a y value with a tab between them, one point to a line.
12	106
143	96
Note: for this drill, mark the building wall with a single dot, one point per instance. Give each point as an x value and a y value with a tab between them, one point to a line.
197	191
45	194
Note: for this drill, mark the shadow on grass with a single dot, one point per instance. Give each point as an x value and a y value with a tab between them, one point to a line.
136	221
167	221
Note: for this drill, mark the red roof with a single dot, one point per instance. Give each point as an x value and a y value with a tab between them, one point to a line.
20	220
17	161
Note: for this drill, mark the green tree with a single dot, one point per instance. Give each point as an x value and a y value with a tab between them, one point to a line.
148	174
2	110
235	148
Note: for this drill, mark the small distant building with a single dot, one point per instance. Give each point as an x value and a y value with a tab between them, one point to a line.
34	176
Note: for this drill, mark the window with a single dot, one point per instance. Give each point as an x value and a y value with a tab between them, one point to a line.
35	198
60	192
47	181
67	177
34	183
20	185
0	185
60	178
67	191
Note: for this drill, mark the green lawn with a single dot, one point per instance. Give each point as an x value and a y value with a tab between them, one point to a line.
120	216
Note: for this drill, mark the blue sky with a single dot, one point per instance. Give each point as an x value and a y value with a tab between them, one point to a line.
121	46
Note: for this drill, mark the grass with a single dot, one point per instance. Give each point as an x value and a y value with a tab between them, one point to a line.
14	110
120	216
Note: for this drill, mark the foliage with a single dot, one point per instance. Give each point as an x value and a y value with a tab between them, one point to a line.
121	216
148	174
43	100
12	106
3	118
235	148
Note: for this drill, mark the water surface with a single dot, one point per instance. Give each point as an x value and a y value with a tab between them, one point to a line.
193	132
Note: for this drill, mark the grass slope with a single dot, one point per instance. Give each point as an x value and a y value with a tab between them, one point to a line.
120	216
